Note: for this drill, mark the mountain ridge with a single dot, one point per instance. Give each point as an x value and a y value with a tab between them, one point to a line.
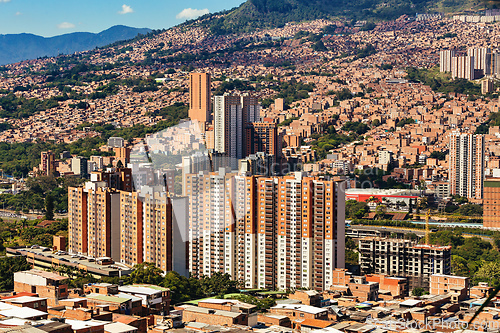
26	46
255	14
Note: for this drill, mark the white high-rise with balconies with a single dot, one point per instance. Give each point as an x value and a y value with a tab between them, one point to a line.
445	57
466	170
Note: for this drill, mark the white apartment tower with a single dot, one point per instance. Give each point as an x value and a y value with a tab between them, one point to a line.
462	67
466	171
228	118
482	58
445	57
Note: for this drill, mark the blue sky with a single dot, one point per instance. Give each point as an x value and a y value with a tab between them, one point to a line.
56	17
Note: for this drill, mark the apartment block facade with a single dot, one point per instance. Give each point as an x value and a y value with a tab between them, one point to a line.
482	58
445	57
232	117
462	67
270	232
467	164
47	166
199	97
405	258
128	227
491	214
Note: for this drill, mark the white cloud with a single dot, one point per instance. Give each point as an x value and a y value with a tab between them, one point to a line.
65	25
126	10
18	13
190	13
4	0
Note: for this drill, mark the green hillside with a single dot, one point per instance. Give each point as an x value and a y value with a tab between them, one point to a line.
254	14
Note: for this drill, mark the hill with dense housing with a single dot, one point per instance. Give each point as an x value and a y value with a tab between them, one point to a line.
19	47
276	13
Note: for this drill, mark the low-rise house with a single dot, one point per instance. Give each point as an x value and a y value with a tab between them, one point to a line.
212	317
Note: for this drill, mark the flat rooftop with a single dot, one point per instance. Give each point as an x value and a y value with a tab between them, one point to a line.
46	255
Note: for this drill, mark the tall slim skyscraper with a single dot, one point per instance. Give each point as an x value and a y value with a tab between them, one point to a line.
445	57
466	169
270	232
47	166
495	64
251	108
228	129
199	96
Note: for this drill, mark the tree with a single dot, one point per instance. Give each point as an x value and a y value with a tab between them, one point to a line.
411	236
147	273
182	289
319	46
470	210
459	266
418	291
8	266
356	209
380	211
218	284
488	272
49	207
351	257
350	244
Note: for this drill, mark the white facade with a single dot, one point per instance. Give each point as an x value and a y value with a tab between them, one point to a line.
445	57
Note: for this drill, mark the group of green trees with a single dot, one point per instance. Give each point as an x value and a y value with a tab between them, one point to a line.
467	209
25	233
8	266
12	106
473	257
493	120
291	91
440	84
182	288
330	139
41	191
356	127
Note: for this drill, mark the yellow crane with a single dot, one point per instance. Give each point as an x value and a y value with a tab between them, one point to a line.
427	231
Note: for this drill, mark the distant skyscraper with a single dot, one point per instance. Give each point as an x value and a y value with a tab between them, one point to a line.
482	58
495	64
232	117
199	97
445	57
228	129
47	166
79	166
251	108
263	137
466	170
462	67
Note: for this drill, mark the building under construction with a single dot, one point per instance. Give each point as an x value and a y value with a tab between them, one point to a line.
405	258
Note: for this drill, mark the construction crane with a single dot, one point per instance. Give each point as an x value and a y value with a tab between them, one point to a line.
427	232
